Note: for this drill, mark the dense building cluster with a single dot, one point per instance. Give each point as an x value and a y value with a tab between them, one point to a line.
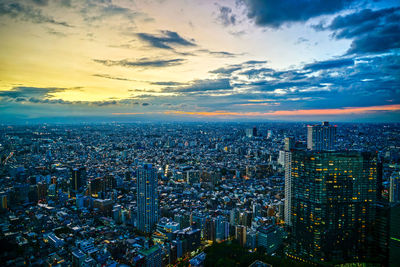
159	194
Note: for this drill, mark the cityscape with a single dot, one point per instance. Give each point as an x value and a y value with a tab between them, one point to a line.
165	194
186	133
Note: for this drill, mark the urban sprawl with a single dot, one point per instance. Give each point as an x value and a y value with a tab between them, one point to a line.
165	194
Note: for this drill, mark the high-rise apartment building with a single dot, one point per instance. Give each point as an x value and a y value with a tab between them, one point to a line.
240	234
332	204
394	190
251	132
321	137
147	198
77	179
289	145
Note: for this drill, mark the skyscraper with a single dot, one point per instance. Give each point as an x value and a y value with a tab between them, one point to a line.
147	198
289	145
332	204
240	234
78	179
394	240
321	137
394	190
251	132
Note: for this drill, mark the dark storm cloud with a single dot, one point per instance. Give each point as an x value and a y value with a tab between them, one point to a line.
330	64
275	13
371	31
142	62
23	12
165	40
199	86
225	16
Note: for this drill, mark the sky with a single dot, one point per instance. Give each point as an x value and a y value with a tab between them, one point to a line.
294	60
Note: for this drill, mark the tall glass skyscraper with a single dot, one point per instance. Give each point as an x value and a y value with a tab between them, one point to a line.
394	190
332	204
321	137
77	179
394	240
289	145
147	198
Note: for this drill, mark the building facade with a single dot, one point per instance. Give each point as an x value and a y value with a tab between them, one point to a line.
394	235
394	190
332	210
77	179
289	145
147	198
321	137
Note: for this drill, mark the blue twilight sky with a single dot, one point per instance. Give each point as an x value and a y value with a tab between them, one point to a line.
199	60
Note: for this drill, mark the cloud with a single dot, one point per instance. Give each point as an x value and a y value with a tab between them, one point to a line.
301	40
65	3
40	2
27	92
226	71
330	64
225	16
167	83
254	73
282	85
199	86
302	112
142	62
335	83
38	95
93	11
371	31
56	33
275	13
254	62
218	53
165	40
130	113
369	81
106	76
114	10
343	87
22	12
